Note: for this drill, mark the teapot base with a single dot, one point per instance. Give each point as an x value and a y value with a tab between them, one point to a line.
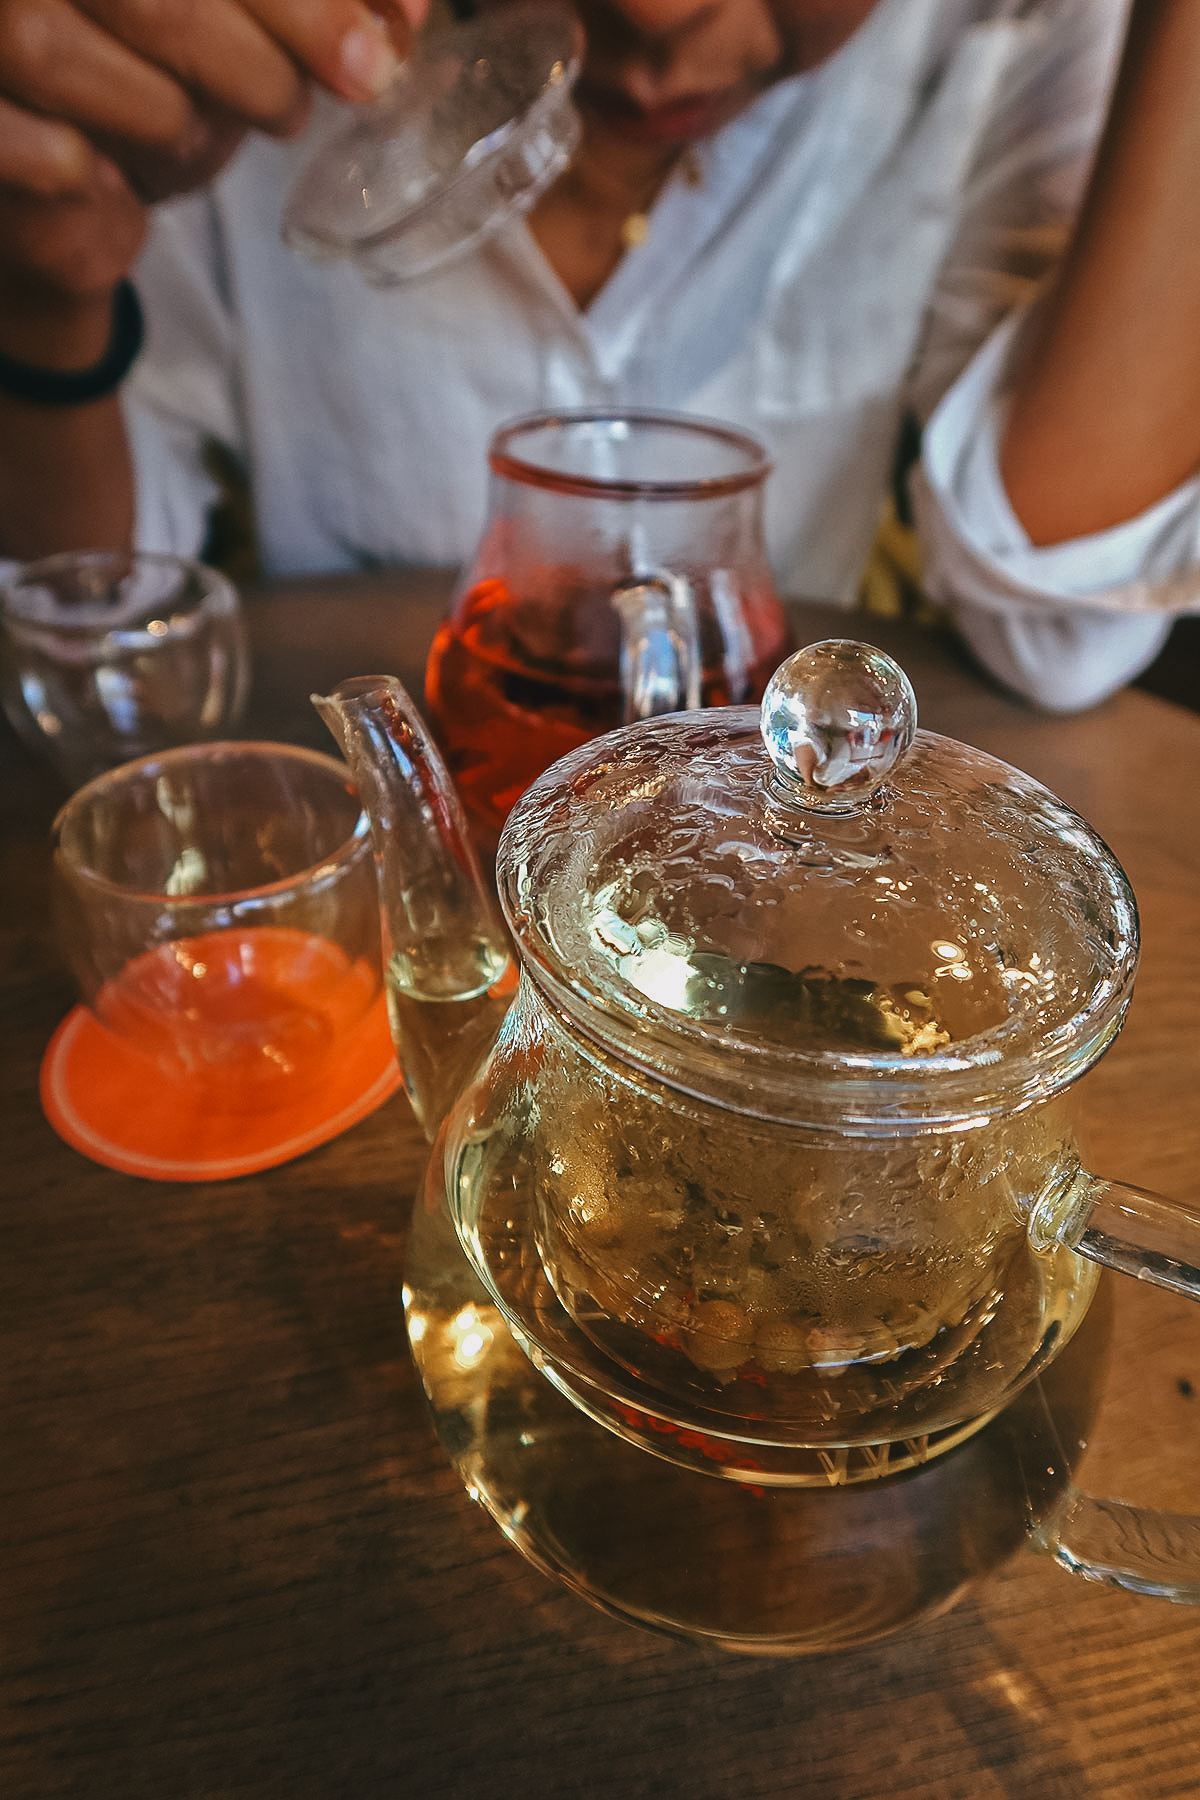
741	1565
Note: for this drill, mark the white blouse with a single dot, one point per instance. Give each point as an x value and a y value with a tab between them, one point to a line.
859	244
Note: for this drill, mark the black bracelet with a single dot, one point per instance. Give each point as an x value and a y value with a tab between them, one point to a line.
76	387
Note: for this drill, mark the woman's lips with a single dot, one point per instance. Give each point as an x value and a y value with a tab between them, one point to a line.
681	120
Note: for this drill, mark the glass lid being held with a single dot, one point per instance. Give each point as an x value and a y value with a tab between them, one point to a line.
476	125
819	914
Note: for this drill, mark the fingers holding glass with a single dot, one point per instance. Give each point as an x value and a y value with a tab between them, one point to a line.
158	73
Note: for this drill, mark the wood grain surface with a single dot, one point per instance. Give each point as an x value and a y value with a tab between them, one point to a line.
233	1558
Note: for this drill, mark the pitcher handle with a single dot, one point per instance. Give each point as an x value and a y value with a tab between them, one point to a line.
660	645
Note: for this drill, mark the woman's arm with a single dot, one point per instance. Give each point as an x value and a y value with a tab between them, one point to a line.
65	477
1105	413
101	113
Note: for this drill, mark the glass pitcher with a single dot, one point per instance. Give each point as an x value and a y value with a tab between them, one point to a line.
621	574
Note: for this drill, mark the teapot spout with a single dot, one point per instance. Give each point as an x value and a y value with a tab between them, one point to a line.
447	966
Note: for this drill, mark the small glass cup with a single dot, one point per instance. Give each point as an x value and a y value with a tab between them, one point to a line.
109	655
219	909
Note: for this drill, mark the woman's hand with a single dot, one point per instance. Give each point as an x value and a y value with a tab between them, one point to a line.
153	75
107	105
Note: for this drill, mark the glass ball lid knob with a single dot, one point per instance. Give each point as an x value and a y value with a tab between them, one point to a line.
836	718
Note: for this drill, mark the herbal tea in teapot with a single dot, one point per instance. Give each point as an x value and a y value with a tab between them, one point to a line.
795	1288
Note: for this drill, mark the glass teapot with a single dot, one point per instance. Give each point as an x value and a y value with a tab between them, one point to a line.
767	1168
621	574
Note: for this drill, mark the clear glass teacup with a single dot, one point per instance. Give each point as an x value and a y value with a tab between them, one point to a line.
106	655
217	905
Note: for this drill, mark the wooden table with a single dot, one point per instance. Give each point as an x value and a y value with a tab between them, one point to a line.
233	1558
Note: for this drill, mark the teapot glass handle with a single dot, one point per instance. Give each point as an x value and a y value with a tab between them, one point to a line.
1125	1546
1156	1240
1124	1228
660	645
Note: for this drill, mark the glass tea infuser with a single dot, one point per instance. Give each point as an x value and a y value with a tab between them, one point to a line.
752	1284
476	125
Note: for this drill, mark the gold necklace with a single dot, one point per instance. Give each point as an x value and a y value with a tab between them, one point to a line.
635	227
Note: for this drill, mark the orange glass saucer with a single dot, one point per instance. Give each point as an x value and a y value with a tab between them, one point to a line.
119	1108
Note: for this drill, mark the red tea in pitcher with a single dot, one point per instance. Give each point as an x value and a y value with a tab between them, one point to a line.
622	550
513	684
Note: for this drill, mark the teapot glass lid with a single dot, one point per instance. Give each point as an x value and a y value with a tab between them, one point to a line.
819	914
474	128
